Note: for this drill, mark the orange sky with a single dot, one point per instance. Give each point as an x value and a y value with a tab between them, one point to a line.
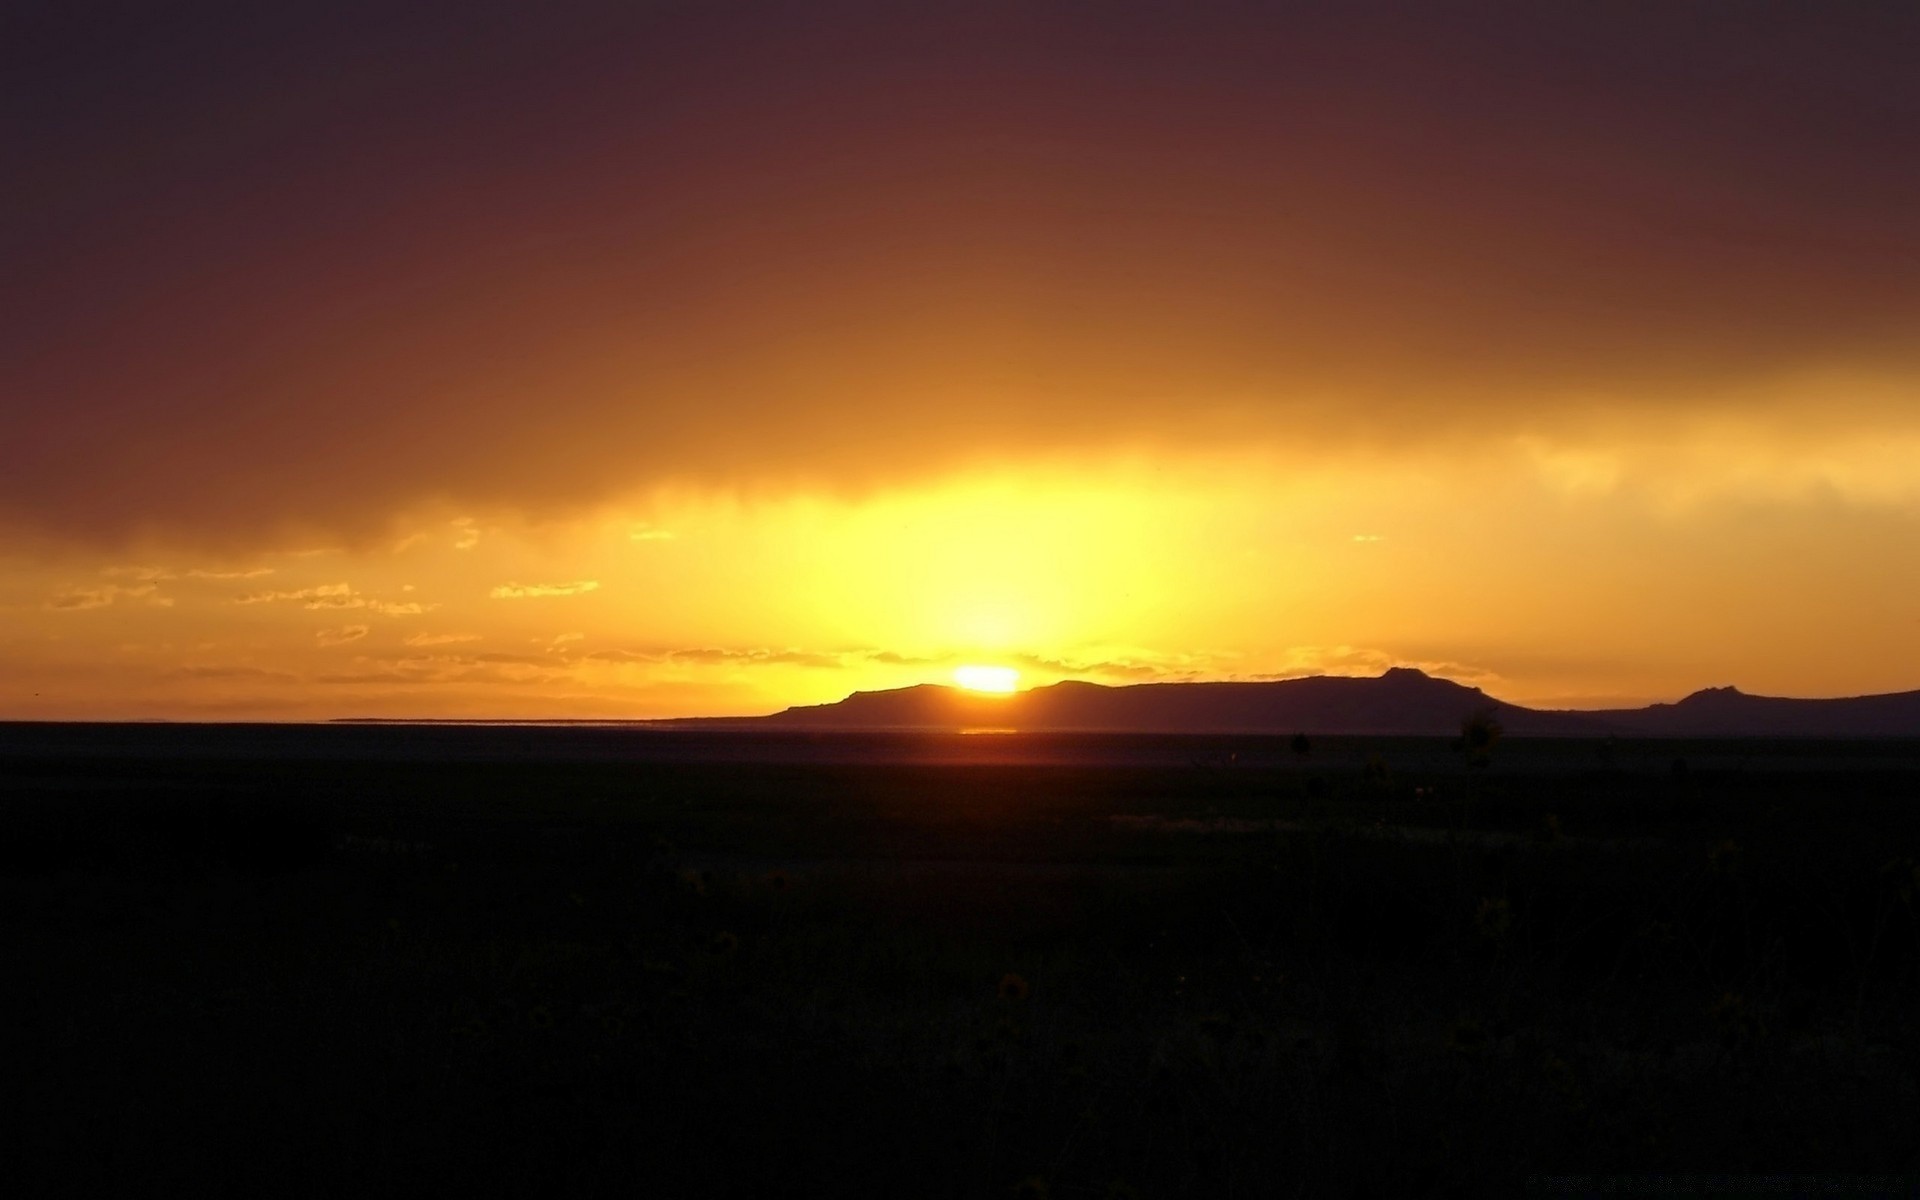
612	360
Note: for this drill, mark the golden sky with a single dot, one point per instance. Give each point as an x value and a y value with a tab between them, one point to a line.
629	360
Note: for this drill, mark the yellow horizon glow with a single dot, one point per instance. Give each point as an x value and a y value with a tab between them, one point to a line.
1111	571
978	678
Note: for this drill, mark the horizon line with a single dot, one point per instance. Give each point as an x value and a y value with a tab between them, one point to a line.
983	696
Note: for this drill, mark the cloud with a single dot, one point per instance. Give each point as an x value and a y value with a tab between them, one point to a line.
376	677
325	595
81	598
1302	661
215	672
1686	463
1175	667
448	669
466	535
1137	669
441	639
1145	669
337	596
522	591
646	533
1372	226
340	636
756	657
149	574
247	573
720	656
890	658
405	608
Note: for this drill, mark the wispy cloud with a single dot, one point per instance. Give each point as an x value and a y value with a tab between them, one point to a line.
647	533
1127	669
340	636
337	595
149	574
466	534
79	598
1130	669
889	658
325	595
393	608
447	668
720	656
441	639
258	674
523	591
1302	661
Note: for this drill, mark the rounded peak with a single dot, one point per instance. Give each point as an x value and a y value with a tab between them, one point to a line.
1404	673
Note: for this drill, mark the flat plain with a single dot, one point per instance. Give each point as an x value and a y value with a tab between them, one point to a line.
323	960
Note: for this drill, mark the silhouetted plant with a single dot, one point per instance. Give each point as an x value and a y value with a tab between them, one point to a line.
1493	919
1467	1038
1479	733
1375	770
1737	1022
1724	858
1548	832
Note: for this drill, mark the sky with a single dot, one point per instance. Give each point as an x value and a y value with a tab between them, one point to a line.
633	360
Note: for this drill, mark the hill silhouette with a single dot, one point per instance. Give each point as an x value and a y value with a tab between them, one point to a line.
1730	712
1402	701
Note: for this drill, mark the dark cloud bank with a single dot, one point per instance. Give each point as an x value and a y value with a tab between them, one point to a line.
303	264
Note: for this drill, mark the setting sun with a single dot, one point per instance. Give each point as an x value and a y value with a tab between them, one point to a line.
986	679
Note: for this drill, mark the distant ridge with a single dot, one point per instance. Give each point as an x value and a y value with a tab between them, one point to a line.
1400	702
1730	712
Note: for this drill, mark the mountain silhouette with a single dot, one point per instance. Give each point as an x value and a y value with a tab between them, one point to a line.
1730	712
1402	702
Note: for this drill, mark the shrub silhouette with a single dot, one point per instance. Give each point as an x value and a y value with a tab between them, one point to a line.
1479	733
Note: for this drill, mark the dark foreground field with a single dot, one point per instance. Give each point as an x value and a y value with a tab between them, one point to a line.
509	961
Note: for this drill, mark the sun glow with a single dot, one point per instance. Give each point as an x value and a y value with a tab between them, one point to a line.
986	679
